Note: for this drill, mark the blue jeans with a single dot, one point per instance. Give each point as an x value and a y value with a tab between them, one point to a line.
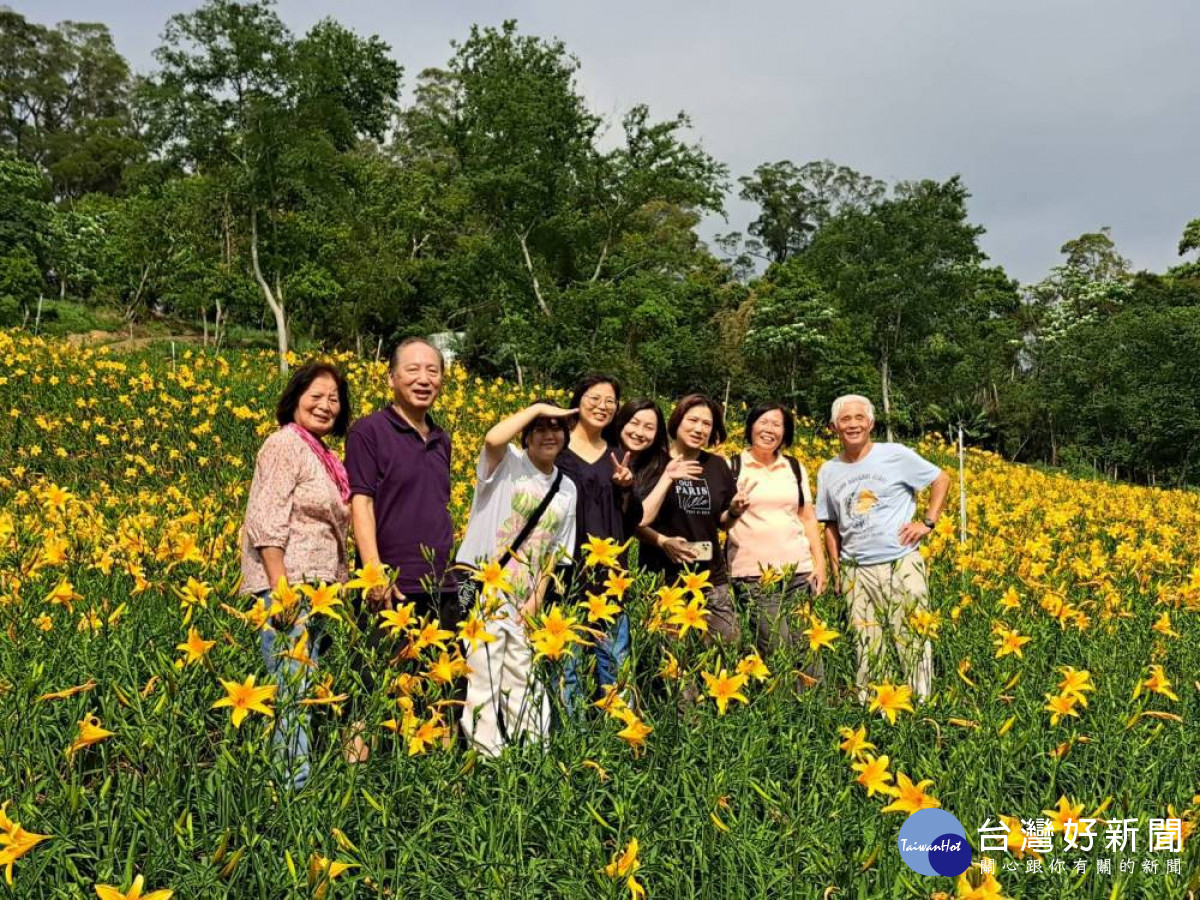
611	653
290	735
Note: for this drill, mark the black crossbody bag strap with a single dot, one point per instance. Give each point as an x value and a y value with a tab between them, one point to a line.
531	522
795	464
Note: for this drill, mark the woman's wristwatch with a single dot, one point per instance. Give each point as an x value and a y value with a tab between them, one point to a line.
930	523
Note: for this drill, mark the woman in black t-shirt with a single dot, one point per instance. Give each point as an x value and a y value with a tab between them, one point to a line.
642	432
607	508
685	534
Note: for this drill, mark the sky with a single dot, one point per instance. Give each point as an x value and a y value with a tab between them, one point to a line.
1061	116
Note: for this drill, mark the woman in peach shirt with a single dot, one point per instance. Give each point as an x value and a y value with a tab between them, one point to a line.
777	532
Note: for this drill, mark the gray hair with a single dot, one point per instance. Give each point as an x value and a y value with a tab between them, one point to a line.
394	359
845	400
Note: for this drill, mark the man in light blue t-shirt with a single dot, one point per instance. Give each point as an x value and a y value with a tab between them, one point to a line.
867	497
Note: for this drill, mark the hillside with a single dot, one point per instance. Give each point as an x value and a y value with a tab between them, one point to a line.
119	517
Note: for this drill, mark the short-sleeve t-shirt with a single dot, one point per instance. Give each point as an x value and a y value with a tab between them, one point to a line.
502	504
872	499
692	510
604	510
769	534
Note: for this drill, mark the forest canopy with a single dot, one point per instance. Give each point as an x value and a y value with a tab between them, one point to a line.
261	178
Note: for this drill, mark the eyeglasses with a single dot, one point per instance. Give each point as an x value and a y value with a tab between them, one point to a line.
593	400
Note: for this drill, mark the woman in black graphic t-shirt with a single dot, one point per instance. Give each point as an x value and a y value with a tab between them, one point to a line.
695	510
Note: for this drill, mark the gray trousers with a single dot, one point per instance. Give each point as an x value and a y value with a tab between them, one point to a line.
771	610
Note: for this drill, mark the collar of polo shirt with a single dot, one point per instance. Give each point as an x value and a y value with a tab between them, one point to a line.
749	459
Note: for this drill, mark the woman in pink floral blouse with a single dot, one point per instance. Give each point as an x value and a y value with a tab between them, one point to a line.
295	530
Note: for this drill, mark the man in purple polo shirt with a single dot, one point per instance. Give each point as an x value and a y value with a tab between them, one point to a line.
398	461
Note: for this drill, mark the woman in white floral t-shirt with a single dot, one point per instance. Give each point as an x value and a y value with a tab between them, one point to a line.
503	700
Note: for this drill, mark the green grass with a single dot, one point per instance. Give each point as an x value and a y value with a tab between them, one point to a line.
758	802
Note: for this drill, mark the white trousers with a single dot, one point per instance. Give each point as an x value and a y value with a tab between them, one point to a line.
502	691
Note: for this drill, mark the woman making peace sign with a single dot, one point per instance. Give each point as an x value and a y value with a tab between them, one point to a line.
607	508
777	530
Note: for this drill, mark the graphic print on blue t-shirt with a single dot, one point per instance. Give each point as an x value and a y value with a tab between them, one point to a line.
693	496
858	500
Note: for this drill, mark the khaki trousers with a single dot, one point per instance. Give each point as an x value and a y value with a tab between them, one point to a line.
881	598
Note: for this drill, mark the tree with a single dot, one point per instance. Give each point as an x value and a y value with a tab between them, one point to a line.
1094	256
1089	286
654	166
795	202
787	214
137	248
65	101
267	115
25	210
20	282
1191	237
539	229
897	270
835	188
1190	241
789	326
964	370
524	139
1126	392
201	248
25	215
75	248
381	245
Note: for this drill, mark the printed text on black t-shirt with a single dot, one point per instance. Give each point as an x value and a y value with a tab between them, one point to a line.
693	496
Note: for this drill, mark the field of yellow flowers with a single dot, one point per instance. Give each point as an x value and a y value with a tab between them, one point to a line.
135	752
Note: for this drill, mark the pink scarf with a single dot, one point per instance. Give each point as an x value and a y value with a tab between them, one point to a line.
333	465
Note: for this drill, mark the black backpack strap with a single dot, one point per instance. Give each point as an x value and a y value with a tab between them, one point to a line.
795	464
532	521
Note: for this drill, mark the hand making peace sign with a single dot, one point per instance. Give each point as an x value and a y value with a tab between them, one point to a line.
741	500
622	474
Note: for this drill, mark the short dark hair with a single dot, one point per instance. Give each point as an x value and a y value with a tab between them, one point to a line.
301	380
585	384
789	423
394	359
690	402
527	431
